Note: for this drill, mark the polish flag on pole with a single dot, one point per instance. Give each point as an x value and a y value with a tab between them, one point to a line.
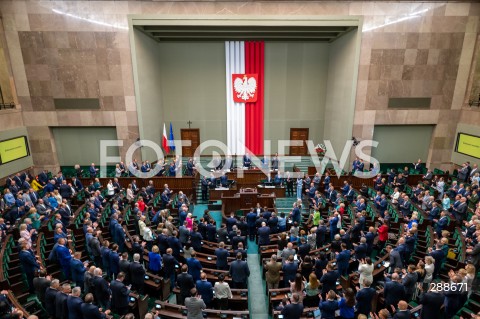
165	140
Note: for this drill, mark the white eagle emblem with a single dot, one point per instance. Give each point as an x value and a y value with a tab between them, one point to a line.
245	89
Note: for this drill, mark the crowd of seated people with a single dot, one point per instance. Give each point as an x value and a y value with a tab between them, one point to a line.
315	245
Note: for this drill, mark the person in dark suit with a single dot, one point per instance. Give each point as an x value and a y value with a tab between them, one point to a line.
303	248
263	235
395	258
364	298
205	289
289	268
343	259
51	296
114	260
74	304
247	161
294	308
393	291
29	264
120	294
41	284
438	255
251	219
222	255
403	312
77	268
61	310
194	267
185	283
169	264
329	306
101	289
204	183
90	311
432	303
137	274
453	299
239	272
124	266
329	280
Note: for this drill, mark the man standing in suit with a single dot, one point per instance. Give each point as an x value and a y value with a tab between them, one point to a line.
78	269
137	274
120	294
194	267
41	284
343	259
185	283
101	290
239	272
263	235
89	310
169	263
289	268
432	303
364	298
61	310
251	219
393	291
222	256
438	255
51	296
395	258
63	255
205	289
294	308
194	305
74	304
124	266
29	264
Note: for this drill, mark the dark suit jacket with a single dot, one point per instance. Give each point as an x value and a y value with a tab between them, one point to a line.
239	271
137	273
120	294
124	266
364	300
169	263
402	314
264	235
329	281
393	293
74	305
77	270
101	291
432	303
185	283
50	297
222	255
90	311
61	311
292	311
41	285
204	289
28	262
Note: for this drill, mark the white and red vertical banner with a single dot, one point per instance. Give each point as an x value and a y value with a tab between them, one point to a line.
244	83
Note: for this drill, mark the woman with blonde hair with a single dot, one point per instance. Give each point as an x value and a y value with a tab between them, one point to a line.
470	277
189	221
130	195
429	268
311	291
57	196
